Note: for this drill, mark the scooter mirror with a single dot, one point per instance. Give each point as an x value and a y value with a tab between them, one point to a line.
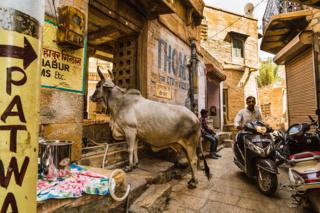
312	120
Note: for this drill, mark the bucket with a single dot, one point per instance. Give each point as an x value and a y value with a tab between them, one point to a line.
55	157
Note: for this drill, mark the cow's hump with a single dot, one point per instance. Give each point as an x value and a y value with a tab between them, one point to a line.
133	92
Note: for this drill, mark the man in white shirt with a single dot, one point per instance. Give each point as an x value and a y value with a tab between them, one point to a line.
248	114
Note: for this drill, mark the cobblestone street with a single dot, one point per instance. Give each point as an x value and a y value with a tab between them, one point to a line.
228	191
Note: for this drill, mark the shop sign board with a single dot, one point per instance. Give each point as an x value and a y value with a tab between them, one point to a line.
169	67
20	53
61	68
172	63
163	91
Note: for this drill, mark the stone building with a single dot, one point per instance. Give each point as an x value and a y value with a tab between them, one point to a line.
233	40
273	106
147	42
63	73
291	32
272	101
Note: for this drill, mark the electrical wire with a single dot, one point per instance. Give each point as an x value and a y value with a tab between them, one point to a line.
55	11
255	6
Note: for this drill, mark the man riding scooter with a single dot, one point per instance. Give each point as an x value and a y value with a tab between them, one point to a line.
246	115
253	148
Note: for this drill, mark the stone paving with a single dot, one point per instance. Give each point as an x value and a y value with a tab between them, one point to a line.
228	191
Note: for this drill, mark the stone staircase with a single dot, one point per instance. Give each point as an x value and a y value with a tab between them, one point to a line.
154	199
150	188
149	182
116	156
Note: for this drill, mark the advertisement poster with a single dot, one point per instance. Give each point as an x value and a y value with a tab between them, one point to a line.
61	68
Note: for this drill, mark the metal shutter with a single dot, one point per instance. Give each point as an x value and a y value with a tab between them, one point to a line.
301	87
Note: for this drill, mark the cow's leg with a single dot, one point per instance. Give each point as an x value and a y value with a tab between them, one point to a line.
135	152
192	158
131	140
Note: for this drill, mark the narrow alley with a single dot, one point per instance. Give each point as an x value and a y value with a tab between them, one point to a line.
228	191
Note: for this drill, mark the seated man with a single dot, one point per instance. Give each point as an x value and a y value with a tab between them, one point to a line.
209	134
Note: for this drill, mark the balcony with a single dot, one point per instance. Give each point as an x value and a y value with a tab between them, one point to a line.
276	7
282	21
311	3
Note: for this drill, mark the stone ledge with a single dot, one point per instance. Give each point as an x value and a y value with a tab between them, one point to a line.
154	199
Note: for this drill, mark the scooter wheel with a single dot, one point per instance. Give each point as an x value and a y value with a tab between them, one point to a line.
267	182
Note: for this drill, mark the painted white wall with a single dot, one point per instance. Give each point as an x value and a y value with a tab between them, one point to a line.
202	85
34	8
221	106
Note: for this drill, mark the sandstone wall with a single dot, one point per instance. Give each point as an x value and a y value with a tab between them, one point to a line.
61	108
273	97
220	23
235	94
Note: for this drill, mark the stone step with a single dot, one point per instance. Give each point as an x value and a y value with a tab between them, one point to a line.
154	199
227	143
116	155
150	171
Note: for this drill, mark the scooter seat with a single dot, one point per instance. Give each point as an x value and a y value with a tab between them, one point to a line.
306	154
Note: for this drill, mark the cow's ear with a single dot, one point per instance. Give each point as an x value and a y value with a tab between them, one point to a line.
108	84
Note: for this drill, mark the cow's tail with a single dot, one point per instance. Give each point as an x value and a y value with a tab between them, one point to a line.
206	167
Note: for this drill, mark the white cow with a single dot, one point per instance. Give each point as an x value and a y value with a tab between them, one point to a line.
161	125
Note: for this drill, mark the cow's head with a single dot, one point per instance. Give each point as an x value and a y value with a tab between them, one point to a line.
103	88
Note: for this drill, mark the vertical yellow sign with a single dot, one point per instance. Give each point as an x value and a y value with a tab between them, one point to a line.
19	111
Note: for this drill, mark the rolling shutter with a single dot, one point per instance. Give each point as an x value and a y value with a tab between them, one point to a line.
301	87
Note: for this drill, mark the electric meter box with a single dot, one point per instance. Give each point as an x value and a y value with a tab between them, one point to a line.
71	27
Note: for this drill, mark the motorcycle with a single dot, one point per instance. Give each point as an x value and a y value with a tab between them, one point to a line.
299	149
255	157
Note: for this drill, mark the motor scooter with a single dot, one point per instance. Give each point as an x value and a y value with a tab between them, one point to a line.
254	155
302	156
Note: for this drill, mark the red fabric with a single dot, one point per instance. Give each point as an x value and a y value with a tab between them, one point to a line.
305	155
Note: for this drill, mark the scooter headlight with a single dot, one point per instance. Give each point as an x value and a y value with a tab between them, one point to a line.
295	177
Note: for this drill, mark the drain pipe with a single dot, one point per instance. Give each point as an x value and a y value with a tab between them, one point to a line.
192	73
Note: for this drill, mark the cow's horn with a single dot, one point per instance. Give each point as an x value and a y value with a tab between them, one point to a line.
100	73
111	74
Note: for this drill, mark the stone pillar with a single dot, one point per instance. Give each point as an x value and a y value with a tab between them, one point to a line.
20	56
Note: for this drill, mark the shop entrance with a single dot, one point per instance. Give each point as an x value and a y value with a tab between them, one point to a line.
112	45
213	101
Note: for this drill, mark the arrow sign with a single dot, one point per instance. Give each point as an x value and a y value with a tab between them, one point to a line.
26	53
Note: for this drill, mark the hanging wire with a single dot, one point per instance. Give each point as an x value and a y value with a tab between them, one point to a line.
255	6
55	11
50	7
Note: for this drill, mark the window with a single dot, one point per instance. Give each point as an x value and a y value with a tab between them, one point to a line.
237	48
265	109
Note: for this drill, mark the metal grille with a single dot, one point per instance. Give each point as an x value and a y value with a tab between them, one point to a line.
275	7
124	67
266	110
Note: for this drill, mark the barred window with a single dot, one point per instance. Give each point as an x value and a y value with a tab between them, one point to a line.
265	109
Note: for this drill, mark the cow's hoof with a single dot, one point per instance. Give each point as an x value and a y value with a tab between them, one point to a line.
135	166
181	165
192	184
128	169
